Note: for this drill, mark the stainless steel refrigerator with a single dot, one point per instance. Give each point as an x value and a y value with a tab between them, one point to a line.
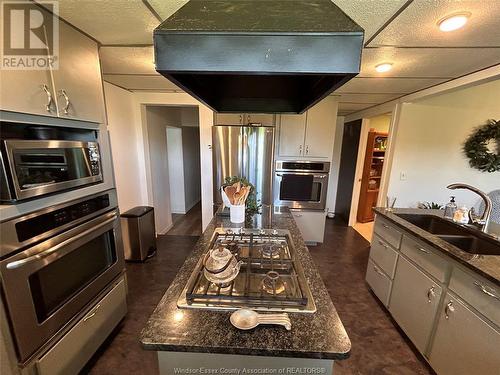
245	151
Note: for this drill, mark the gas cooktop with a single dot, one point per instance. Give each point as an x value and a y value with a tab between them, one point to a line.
271	277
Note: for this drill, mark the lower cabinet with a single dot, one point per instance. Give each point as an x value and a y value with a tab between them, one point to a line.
464	343
414	302
311	224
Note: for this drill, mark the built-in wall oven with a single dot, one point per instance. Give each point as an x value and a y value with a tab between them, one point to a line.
301	184
54	263
41	160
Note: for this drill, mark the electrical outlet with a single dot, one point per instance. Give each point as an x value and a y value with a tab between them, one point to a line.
402	176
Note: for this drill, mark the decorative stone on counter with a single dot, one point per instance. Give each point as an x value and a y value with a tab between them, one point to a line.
319	335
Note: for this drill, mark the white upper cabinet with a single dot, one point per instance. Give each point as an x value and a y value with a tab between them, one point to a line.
265	119
27	91
291	138
76	91
78	83
311	134
229	118
320	128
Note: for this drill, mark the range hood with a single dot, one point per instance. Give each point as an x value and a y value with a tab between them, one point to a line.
259	55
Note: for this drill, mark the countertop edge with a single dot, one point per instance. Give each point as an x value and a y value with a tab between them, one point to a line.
434	242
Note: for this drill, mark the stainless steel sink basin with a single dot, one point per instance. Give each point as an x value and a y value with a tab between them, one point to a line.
433	224
473	245
465	238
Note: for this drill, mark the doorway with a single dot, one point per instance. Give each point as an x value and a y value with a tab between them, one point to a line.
347	169
174	168
362	173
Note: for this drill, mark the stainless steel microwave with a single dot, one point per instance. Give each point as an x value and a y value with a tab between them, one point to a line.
30	168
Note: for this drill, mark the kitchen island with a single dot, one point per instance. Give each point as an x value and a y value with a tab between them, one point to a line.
201	340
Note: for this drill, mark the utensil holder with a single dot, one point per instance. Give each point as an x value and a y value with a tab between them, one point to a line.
237	213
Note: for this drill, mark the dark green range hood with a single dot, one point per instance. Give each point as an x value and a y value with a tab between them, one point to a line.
258	55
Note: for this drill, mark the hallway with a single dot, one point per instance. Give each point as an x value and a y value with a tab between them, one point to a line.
188	224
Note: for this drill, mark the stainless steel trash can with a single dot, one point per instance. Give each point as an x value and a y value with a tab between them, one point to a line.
138	229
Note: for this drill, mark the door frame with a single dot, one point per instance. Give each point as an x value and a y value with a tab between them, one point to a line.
386	170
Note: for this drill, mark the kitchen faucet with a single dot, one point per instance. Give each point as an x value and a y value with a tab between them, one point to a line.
481	222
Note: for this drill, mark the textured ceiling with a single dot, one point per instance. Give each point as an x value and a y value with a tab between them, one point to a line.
417	25
111	22
127	60
402	32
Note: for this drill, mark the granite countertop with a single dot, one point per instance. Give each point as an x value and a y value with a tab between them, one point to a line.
485	265
318	335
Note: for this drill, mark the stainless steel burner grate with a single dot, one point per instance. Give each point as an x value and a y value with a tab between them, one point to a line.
270	278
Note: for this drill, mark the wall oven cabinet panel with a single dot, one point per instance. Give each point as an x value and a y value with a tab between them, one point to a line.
46	285
75	348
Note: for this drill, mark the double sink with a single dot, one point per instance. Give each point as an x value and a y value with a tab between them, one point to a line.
467	239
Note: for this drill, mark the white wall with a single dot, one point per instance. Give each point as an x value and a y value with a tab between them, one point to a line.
205	120
428	146
124	138
380	123
155	118
176	170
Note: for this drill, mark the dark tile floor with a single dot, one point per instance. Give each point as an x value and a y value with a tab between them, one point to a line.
377	346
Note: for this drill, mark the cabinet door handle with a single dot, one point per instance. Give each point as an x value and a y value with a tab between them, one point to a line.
448	309
66	98
378	271
431	294
300	150
385	226
485	290
92	314
297	215
382	244
48	106
307	149
422	249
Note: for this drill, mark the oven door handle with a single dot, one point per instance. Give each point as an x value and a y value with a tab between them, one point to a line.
46	253
304	174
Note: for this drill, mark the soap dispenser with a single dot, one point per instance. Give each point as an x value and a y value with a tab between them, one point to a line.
450	208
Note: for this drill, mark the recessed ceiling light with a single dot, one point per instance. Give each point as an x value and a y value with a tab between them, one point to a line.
453	22
382	68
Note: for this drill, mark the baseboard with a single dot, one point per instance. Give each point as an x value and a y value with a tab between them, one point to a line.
179	212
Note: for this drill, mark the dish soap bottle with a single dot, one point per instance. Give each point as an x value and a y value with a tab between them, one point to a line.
450	208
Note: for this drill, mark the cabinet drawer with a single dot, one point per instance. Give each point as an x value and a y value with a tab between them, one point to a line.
388	232
425	257
477	292
384	256
379	282
76	347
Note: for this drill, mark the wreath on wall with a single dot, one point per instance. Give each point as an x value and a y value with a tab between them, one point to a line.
477	150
